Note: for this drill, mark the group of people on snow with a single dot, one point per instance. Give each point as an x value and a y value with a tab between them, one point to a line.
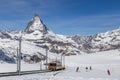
90	68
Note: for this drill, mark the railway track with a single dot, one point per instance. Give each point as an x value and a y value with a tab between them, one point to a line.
23	73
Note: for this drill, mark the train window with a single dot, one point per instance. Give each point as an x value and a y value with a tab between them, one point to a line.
52	64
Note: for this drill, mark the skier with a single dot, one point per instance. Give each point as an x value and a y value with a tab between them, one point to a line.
86	69
108	72
77	69
90	68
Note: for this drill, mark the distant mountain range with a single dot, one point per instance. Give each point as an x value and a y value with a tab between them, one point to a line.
100	42
37	37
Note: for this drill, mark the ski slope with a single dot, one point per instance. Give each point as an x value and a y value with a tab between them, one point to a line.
100	62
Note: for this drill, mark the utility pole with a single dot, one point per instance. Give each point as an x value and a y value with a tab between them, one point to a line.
45	46
61	59
19	57
40	65
46	57
41	62
64	56
64	60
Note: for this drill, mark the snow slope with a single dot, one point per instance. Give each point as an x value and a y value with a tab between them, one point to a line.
100	62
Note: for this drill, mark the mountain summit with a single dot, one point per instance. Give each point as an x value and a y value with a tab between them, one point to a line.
35	24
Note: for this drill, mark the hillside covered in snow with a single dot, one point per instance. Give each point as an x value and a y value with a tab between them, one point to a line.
36	38
109	40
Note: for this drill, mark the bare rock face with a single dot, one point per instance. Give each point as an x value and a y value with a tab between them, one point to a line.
4	35
35	24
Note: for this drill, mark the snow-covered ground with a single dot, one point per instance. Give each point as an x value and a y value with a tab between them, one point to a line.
100	63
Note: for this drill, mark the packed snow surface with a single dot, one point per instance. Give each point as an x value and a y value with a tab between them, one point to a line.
100	63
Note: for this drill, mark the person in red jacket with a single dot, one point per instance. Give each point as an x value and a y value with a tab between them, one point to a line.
108	72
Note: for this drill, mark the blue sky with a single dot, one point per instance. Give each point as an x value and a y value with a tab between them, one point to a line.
67	17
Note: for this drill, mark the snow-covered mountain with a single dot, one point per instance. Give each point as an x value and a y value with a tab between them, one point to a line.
84	42
106	41
100	42
35	24
36	38
37	32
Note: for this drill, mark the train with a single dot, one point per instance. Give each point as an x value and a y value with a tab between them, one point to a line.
55	65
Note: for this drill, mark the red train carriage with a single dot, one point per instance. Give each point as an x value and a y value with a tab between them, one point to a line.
55	65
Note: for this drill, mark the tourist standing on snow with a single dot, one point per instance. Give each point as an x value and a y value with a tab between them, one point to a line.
86	68
90	68
77	69
108	72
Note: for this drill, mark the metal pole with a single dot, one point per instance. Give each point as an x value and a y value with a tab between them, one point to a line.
46	58
64	60
41	63
61	60
19	57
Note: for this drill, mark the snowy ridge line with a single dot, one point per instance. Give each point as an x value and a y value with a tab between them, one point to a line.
23	73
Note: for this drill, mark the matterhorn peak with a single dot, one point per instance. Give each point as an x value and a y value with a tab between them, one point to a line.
37	18
35	24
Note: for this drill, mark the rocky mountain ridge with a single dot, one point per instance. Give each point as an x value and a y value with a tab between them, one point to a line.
100	42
